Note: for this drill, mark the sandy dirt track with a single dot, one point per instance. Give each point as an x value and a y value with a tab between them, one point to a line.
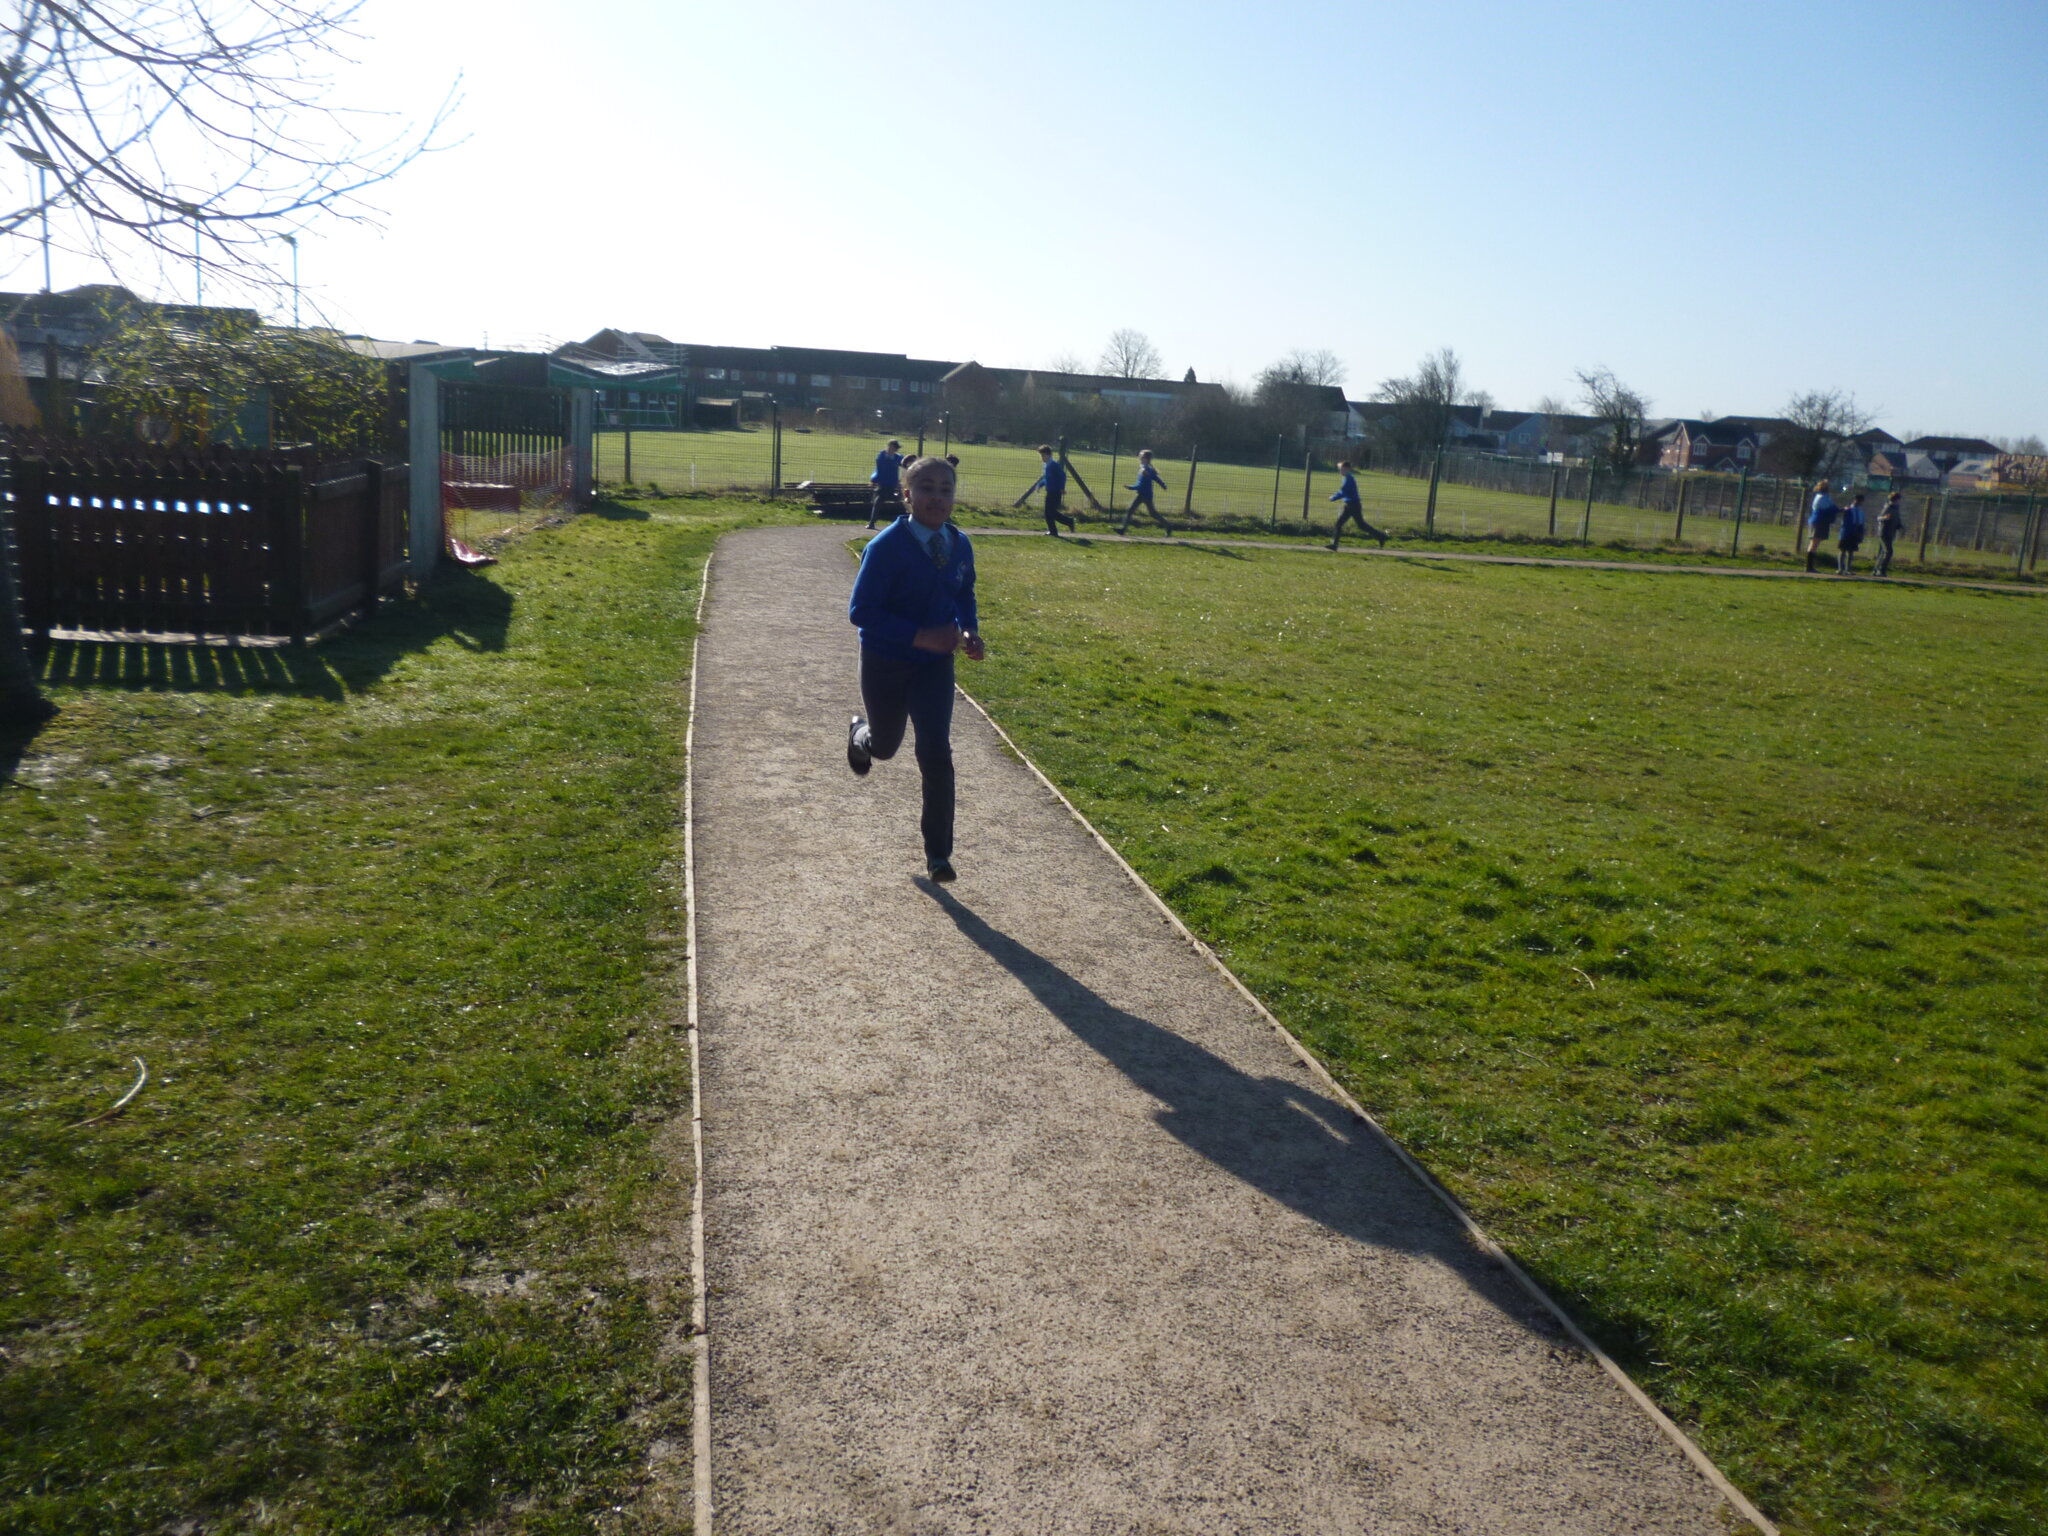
1020	1219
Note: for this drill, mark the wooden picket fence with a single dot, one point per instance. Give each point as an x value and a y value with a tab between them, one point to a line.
133	542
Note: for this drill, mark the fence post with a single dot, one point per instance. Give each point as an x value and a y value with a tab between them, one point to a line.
1678	528
1741	502
1116	441
1554	469
423	415
1187	496
1068	465
1308	469
775	452
286	490
2034	542
2026	538
1926	525
1436	468
1586	518
1279	445
32	546
372	531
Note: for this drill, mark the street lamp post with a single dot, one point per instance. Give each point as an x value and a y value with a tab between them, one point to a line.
44	165
293	242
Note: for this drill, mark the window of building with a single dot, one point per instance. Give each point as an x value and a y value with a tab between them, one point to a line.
895	384
821	381
856	383
785	378
714	373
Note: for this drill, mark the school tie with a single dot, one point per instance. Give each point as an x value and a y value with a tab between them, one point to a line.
937	547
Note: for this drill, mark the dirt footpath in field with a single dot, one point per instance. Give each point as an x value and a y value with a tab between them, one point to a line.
1020	1219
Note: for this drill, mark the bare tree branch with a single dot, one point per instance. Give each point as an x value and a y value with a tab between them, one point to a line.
193	127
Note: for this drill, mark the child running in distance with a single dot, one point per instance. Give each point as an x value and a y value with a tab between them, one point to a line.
1347	492
1054	478
886	480
1148	477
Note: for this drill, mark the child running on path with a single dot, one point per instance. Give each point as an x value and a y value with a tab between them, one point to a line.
886	480
1890	519
913	604
1148	477
1054	478
1347	492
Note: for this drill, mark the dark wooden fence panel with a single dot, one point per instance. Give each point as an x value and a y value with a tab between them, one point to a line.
196	544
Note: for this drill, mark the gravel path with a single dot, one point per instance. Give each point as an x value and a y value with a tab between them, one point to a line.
1021	1219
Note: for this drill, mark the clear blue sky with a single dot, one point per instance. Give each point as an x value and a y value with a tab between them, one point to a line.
1724	204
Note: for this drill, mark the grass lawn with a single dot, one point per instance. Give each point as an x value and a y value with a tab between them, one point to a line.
1236	498
1691	930
392	923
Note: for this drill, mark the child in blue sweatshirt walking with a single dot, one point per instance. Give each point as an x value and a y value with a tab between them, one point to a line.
1347	492
1147	478
913	604
885	480
1054	479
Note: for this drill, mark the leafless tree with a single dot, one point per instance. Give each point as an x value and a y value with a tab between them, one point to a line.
1620	410
1318	367
1823	423
1068	361
1422	400
199	128
1129	354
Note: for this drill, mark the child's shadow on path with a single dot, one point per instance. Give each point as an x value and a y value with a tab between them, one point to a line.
1293	1143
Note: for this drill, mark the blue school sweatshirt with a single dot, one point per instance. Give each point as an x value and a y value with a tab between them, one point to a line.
1054	479
899	591
1347	492
1147	475
888	468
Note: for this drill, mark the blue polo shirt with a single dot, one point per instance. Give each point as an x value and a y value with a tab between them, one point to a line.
888	468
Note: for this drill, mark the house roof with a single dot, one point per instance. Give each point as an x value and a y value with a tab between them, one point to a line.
1975	447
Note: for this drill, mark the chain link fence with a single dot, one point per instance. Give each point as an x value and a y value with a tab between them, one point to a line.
1459	496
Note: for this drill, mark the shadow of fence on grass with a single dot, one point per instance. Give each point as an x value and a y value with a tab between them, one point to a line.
466	606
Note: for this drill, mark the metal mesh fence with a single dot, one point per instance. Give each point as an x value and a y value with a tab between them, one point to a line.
1463	496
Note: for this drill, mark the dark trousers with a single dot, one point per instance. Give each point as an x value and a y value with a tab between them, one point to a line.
1053	515
919	694
1353	513
1884	551
885	502
1144	499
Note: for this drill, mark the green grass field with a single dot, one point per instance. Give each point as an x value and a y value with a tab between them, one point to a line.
1229	497
1691	930
392	924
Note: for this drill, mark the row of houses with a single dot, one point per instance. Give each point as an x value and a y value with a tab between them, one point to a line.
646	380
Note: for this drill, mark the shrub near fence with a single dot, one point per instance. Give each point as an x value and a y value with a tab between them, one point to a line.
165	544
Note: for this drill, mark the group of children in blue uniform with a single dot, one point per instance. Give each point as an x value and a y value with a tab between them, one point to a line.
1849	526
